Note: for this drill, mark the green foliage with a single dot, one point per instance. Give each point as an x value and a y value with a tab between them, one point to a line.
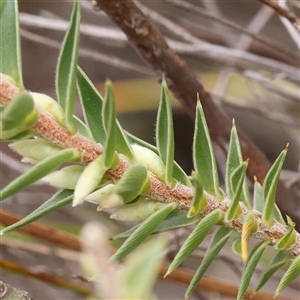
67	68
10	50
133	190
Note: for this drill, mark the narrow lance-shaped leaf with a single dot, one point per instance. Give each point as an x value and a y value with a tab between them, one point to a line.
195	238
58	200
220	238
67	67
165	134
91	103
109	122
178	173
249	227
279	260
250	267
203	155
133	183
199	201
82	128
234	159
289	238
270	186
20	112
37	172
237	180
10	50
289	276
176	219
143	231
258	196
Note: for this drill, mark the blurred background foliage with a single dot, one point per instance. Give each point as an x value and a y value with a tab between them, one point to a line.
259	88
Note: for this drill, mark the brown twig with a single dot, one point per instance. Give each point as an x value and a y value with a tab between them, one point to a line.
43	276
179	275
151	45
283	12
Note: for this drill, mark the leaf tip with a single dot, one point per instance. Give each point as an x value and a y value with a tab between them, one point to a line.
233	123
287	147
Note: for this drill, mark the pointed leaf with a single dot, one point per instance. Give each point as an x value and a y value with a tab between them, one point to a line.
109	122
91	103
199	201
67	67
10	50
290	275
58	200
37	172
133	183
237	181
203	155
176	219
82	128
234	159
178	173
219	240
195	238
143	231
165	134
250	267
249	227
258	196
20	112
270	186
289	238
280	259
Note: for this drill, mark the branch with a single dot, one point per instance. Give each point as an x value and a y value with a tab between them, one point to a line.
48	128
283	12
180	275
151	45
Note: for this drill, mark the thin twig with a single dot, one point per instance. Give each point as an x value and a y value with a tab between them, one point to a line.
180	275
151	45
91	54
279	48
283	12
43	276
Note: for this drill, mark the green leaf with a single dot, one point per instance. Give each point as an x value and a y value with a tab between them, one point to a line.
176	219
19	113
57	201
67	67
236	181
37	172
195	238
258	196
139	280
91	103
250	267
143	231
237	246
289	238
234	159
178	173
165	134
10	50
290	275
270	186
219	240
199	201
203	155
280	259
109	122
133	183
